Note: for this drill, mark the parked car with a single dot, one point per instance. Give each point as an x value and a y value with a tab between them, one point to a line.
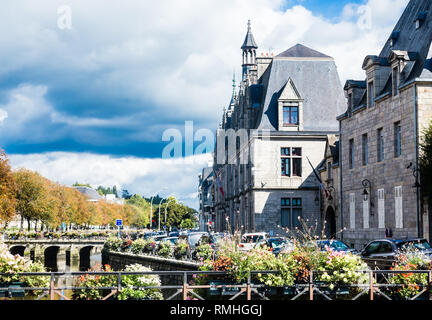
172	240
276	245
173	234
194	237
382	253
336	245
159	238
249	240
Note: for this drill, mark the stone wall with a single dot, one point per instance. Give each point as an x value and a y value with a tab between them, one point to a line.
387	174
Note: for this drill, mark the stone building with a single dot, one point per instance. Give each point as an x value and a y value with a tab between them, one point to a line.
329	174
380	132
276	122
205	194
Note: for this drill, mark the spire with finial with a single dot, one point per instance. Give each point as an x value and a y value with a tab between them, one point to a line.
249	52
234	85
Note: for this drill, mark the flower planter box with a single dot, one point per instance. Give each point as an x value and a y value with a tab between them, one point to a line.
222	291
13	290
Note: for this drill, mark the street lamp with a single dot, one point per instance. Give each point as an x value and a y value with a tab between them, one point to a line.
366	186
151	212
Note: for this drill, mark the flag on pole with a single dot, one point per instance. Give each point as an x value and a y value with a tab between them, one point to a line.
219	184
318	178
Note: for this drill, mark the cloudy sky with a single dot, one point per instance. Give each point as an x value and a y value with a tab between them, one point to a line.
87	88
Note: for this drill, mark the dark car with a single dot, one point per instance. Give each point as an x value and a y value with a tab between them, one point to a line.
382	253
276	244
335	245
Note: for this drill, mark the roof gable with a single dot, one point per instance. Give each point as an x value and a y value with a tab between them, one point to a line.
301	51
290	92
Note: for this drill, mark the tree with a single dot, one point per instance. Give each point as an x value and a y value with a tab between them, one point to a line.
7	190
31	196
178	215
426	162
141	210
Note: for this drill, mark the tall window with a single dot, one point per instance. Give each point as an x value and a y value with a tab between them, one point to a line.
351	153
290	115
398	207
365	149
395	81
291	212
329	170
352	210
291	162
371	94
397	139
380	145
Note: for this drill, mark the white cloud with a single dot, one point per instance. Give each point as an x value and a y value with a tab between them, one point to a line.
3	115
143	176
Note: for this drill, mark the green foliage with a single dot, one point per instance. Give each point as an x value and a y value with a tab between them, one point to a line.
410	283
92	283
141	210
36	281
138	246
204	252
425	161
77	184
181	249
165	249
113	244
134	287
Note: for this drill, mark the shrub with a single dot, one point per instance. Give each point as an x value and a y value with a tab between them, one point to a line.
113	244
141	281
138	246
203	252
165	249
150	246
95	282
410	283
181	249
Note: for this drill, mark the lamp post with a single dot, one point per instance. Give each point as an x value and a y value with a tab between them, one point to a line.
151	212
366	186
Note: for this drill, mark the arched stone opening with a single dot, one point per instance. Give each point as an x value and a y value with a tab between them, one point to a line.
50	258
17	250
84	258
330	226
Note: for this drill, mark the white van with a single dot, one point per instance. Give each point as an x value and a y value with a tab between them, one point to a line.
249	240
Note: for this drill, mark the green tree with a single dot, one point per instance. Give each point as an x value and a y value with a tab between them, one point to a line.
426	162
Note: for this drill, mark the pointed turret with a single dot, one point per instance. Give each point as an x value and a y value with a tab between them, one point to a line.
249	52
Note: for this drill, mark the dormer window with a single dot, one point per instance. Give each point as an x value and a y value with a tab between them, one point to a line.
371	94
395	81
350	101
420	19
290	115
393	38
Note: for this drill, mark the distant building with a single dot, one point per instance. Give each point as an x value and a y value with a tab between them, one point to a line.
205	194
380	133
90	194
329	174
112	198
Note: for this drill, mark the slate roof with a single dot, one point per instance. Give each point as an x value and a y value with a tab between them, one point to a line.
317	82
414	43
89	193
249	41
300	50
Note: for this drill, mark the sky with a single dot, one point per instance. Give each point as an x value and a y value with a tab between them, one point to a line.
88	88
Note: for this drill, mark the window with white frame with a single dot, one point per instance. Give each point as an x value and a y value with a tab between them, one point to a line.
398	207
352	210
381	209
366	214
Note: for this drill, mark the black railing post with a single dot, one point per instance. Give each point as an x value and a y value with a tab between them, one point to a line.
248	288
311	289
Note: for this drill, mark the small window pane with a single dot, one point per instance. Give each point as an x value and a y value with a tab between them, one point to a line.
297	167
297	152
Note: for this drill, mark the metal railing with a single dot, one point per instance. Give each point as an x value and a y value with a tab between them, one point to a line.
309	290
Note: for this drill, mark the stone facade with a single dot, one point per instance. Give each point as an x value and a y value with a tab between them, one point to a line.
252	192
380	134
